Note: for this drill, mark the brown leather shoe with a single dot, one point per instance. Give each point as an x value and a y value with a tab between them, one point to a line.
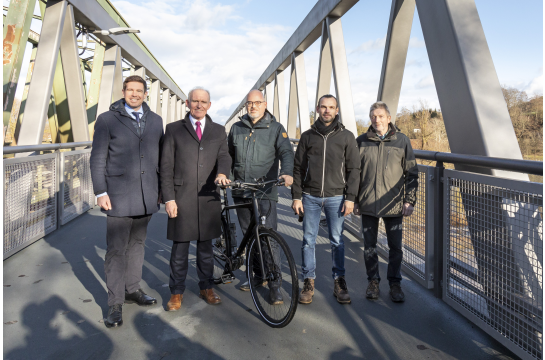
175	302
210	296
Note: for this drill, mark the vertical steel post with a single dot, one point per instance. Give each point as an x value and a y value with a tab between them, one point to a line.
173	104
32	127
395	53
439	235
155	97
298	63
179	104
165	107
269	96
280	99
16	29
110	70
340	73
140	71
25	95
292	103
73	81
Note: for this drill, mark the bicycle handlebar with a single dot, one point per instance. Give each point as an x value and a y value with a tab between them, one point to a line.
244	185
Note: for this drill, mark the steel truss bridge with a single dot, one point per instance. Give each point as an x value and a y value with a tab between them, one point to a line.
473	250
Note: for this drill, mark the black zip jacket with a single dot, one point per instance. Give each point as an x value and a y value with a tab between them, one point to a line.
327	165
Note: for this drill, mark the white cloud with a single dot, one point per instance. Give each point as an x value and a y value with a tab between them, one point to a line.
371	45
535	86
201	44
425	82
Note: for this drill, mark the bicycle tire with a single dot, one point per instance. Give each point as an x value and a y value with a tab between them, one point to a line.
278	315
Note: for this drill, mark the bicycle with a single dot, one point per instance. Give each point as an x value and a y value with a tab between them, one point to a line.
269	264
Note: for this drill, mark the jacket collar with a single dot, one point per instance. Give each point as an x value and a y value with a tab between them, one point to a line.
390	135
338	127
118	108
189	127
263	123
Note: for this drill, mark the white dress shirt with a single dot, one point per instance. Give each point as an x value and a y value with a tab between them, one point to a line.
194	123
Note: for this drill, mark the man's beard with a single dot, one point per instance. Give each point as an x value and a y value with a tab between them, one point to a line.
327	122
254	117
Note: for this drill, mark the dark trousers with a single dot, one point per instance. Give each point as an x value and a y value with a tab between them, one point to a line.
394	234
245	217
179	265
125	237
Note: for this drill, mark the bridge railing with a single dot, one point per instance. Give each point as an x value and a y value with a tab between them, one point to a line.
477	241
44	190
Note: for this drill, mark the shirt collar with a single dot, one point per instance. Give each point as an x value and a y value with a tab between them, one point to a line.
193	121
131	110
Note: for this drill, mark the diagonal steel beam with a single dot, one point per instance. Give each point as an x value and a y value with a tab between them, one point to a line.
395	53
39	92
325	67
73	81
165	107
340	73
279	99
94	87
155	97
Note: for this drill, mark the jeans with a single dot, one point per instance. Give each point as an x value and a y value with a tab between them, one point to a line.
245	217
394	234
313	207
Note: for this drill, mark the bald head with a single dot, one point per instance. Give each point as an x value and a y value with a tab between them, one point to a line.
256	105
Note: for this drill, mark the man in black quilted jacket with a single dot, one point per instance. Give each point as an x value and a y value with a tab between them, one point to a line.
388	184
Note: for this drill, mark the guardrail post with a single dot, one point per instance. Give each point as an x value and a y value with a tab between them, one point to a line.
438	245
60	186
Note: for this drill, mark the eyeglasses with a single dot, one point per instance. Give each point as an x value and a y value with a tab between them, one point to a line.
256	103
202	103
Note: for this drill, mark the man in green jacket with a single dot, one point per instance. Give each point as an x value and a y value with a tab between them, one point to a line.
257	143
388	184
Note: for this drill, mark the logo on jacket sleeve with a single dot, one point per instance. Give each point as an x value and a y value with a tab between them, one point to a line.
284	135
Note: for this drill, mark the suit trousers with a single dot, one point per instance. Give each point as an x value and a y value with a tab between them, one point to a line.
179	265
125	237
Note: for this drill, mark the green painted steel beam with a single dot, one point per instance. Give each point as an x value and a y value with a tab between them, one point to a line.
94	87
25	95
16	29
64	127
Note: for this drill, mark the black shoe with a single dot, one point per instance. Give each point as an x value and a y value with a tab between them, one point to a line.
115	317
372	290
140	298
340	291
275	295
396	294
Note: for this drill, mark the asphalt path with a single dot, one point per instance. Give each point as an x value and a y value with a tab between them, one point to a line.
55	300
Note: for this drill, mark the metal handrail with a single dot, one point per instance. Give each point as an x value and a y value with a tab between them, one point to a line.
521	166
44	147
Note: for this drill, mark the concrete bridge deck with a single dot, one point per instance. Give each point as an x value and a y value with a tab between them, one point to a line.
55	299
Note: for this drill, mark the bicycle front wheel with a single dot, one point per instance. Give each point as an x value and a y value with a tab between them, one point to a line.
275	293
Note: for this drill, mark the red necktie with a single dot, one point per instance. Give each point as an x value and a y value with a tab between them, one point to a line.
199	132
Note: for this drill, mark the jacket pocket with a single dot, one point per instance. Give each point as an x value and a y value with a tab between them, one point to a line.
178	182
117	171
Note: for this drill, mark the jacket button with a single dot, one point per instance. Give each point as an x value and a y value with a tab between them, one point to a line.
142	156
143	172
201	148
200	165
141	140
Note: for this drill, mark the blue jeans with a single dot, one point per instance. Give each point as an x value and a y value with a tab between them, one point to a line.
313	207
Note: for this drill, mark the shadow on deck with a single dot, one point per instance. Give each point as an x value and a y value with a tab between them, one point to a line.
55	299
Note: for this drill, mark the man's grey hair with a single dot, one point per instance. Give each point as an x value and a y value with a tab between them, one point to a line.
379	105
197	88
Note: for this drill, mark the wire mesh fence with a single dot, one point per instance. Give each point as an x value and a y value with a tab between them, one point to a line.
493	257
30	206
77	187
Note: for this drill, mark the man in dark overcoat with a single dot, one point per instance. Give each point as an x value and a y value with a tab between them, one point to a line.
195	159
124	169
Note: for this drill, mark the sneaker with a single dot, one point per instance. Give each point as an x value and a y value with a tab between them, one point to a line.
246	285
341	291
396	294
308	292
372	290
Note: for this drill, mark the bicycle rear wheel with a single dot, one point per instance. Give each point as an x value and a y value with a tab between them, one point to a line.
280	275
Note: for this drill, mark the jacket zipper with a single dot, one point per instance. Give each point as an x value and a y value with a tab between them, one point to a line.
342	172
387	157
308	166
323	165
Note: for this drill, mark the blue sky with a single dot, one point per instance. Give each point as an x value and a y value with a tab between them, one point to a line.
225	45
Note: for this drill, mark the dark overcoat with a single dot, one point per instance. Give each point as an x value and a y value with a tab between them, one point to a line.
125	164
188	170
